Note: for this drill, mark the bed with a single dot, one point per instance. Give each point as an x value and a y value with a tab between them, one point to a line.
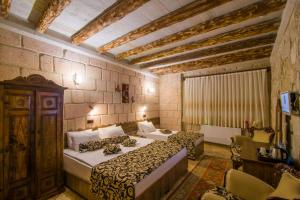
80	166
193	141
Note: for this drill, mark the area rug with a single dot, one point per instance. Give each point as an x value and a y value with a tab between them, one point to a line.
207	173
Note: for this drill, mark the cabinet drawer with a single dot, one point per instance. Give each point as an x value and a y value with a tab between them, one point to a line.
18	193
48	183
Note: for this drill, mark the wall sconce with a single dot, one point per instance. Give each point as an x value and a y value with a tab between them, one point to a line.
144	116
150	90
132	99
144	108
77	79
118	88
91	107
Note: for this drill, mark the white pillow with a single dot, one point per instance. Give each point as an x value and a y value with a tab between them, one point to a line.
111	132
140	125
103	129
146	127
82	138
72	133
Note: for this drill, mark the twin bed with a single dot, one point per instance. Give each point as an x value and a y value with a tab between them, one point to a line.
147	170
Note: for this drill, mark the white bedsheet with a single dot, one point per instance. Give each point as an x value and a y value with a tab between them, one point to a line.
80	165
92	158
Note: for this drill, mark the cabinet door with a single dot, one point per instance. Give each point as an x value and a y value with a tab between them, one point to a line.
18	135
49	141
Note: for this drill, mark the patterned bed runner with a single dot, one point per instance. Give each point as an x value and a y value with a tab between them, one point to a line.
116	178
188	140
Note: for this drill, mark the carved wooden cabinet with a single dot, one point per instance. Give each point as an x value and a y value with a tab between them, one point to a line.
31	138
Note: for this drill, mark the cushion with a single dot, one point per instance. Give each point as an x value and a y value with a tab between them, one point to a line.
71	133
288	188
91	145
129	142
165	131
146	127
221	191
82	138
116	140
111	132
111	149
261	136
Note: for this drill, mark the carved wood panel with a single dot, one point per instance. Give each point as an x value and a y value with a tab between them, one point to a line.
49	140
1	145
17	140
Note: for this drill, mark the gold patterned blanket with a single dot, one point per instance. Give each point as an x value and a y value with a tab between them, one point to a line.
188	140
116	178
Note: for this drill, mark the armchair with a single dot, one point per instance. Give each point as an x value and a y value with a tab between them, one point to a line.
241	186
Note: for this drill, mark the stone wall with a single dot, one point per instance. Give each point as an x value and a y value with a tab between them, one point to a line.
285	62
21	55
170	101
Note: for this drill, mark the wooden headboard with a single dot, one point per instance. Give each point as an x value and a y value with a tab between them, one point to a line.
129	128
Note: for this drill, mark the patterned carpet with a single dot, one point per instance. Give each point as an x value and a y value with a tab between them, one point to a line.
208	173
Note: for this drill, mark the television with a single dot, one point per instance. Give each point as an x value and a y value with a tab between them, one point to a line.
285	103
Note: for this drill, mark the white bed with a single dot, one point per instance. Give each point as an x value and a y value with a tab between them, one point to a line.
81	164
157	135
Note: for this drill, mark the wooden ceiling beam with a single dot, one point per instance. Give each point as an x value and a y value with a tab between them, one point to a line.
260	8
241	56
241	33
244	44
181	14
4	6
53	10
112	14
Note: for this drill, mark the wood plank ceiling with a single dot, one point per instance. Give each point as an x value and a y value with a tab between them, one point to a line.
163	36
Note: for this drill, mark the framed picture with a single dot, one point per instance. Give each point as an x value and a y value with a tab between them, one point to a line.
125	93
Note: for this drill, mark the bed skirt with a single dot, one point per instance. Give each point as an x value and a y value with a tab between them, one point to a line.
155	191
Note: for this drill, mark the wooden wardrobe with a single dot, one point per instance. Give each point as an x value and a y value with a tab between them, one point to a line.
31	138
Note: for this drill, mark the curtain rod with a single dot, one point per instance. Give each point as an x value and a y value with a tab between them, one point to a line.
195	76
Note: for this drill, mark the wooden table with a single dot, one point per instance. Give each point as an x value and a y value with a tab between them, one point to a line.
260	169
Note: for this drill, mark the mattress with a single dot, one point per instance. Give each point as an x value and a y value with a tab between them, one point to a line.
157	135
81	164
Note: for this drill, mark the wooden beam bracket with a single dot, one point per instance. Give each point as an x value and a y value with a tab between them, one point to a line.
112	14
53	10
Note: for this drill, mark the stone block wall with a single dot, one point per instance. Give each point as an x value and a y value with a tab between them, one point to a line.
170	101
285	62
22	56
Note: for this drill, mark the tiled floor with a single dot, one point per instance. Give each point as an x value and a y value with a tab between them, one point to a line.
209	149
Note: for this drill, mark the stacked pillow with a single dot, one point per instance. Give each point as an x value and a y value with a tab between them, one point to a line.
111	131
146	127
89	140
77	137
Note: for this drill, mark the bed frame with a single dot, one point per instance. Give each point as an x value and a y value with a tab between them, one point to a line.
155	191
199	149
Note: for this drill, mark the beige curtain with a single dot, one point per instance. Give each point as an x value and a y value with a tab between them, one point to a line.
227	100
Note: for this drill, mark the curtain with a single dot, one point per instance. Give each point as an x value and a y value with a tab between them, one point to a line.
227	100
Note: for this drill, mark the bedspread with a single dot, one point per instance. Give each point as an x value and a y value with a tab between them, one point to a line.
188	140
116	178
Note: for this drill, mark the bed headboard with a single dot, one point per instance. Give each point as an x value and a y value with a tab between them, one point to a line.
129	128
